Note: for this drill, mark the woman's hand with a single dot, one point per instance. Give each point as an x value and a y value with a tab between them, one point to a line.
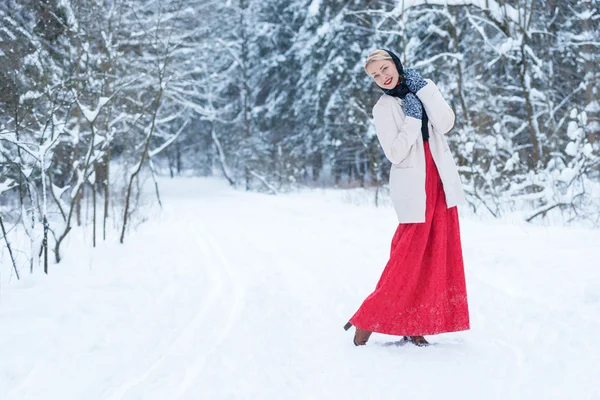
413	80
412	107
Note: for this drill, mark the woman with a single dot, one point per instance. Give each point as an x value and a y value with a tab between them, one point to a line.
422	288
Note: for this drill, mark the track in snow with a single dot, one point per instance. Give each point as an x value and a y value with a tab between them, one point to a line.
233	295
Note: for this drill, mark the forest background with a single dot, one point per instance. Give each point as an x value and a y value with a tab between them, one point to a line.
98	98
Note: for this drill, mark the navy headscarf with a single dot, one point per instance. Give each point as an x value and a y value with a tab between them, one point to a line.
401	90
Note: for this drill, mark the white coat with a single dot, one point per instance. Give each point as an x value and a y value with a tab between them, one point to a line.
401	140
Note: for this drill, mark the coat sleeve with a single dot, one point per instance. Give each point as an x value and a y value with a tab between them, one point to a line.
438	111
395	140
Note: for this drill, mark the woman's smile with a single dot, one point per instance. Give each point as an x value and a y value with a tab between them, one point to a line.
388	81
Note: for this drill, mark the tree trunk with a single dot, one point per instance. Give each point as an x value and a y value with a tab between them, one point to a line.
106	189
590	67
142	160
94	215
534	157
9	248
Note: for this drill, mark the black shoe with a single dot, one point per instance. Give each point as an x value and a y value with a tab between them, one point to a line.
417	341
364	335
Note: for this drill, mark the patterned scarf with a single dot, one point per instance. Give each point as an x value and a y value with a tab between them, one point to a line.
401	90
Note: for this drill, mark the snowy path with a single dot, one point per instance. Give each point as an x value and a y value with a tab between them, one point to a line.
232	295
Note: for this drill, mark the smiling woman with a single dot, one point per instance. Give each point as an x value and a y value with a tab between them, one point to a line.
422	289
383	69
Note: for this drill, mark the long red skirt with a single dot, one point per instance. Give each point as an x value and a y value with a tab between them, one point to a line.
422	288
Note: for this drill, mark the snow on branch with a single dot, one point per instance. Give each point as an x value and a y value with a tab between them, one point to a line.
168	142
8	184
89	114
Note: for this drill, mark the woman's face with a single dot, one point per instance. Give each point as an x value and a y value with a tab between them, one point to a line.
384	73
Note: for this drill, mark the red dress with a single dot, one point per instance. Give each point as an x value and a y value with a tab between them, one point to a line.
422	288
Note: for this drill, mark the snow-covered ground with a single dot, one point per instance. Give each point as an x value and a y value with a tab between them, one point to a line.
233	295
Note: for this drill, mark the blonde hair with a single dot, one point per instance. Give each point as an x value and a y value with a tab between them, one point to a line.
377	55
